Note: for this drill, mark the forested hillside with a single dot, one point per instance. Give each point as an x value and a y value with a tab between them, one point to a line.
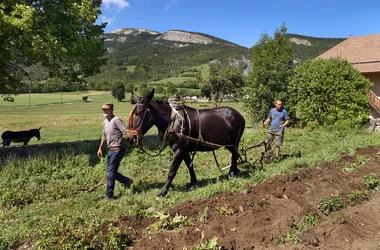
154	59
141	56
307	47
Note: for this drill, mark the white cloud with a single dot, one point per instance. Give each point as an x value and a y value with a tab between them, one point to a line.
170	3
115	4
108	20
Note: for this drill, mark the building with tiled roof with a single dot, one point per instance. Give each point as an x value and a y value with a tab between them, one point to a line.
363	52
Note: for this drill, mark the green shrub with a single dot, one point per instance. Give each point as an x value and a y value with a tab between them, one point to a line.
211	244
357	196
333	204
371	181
166	223
327	92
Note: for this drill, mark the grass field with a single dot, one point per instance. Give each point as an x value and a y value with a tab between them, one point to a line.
69	121
175	80
72	120
205	70
50	200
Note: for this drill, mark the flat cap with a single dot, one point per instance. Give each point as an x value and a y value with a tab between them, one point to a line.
107	105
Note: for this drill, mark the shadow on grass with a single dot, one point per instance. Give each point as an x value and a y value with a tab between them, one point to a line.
63	149
142	187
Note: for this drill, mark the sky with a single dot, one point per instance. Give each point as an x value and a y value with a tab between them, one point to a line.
244	21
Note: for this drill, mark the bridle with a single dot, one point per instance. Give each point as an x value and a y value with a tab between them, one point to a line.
132	132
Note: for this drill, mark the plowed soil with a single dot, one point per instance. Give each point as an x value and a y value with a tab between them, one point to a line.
260	216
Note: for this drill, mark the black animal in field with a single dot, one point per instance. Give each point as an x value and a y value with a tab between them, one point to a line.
20	136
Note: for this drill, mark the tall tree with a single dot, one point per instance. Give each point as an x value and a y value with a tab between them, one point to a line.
118	91
60	34
224	79
272	64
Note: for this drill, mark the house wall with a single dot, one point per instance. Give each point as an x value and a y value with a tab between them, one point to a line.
375	78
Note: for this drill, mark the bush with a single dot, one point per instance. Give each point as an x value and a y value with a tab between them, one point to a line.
331	205
371	181
84	98
325	92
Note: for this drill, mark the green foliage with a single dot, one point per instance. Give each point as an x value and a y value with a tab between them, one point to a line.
224	80
226	209
144	91
323	92
36	190
129	88
203	215
272	64
371	181
333	204
211	244
84	98
307	221
155	60
171	89
166	223
356	197
316	46
289	236
355	165
118	91
60	35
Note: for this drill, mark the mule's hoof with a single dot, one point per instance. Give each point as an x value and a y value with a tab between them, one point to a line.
191	187
160	195
235	174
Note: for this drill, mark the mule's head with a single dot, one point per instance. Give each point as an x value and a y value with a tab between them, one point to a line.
36	133
140	119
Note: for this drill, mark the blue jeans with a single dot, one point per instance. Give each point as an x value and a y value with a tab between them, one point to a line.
113	161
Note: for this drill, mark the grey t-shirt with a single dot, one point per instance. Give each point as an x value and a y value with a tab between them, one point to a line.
113	131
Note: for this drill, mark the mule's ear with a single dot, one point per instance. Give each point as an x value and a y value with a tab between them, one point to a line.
150	95
135	99
39	128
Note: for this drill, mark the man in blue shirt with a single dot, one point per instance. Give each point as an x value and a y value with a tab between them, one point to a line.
278	118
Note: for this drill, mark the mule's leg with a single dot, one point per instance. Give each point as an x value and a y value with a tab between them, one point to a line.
26	142
190	167
235	155
178	157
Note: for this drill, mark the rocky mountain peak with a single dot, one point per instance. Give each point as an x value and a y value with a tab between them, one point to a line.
184	37
127	31
300	41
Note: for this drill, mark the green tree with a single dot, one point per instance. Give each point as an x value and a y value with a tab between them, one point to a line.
129	88
159	90
224	79
60	35
206	91
272	64
171	89
323	92
118	91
